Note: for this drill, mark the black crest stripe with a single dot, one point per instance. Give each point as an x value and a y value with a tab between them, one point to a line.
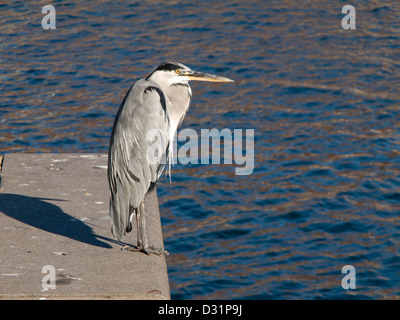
162	98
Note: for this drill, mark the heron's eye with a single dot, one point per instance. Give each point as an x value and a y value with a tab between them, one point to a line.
178	71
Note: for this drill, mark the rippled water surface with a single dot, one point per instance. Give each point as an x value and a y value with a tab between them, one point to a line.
323	101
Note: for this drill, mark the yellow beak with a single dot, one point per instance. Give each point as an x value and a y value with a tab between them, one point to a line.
202	76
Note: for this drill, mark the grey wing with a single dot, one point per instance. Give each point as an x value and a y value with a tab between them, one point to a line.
138	147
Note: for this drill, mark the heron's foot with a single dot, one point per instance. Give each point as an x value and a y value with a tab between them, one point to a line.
147	250
131	248
156	251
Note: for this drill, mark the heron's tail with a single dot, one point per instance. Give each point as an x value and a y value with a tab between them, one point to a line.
119	215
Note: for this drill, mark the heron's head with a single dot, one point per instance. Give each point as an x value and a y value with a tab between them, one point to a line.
176	73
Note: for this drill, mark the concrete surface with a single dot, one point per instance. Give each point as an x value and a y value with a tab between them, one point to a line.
54	211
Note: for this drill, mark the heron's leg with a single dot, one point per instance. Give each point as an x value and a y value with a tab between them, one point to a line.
139	236
141	227
142	236
139	230
142	244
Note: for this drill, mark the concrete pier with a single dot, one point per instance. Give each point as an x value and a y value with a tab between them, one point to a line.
54	212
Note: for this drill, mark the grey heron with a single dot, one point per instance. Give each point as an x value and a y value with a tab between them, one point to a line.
158	102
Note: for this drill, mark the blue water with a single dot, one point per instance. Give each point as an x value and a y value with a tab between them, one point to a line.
323	102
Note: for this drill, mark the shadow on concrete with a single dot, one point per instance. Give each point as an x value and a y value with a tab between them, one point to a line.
40	214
